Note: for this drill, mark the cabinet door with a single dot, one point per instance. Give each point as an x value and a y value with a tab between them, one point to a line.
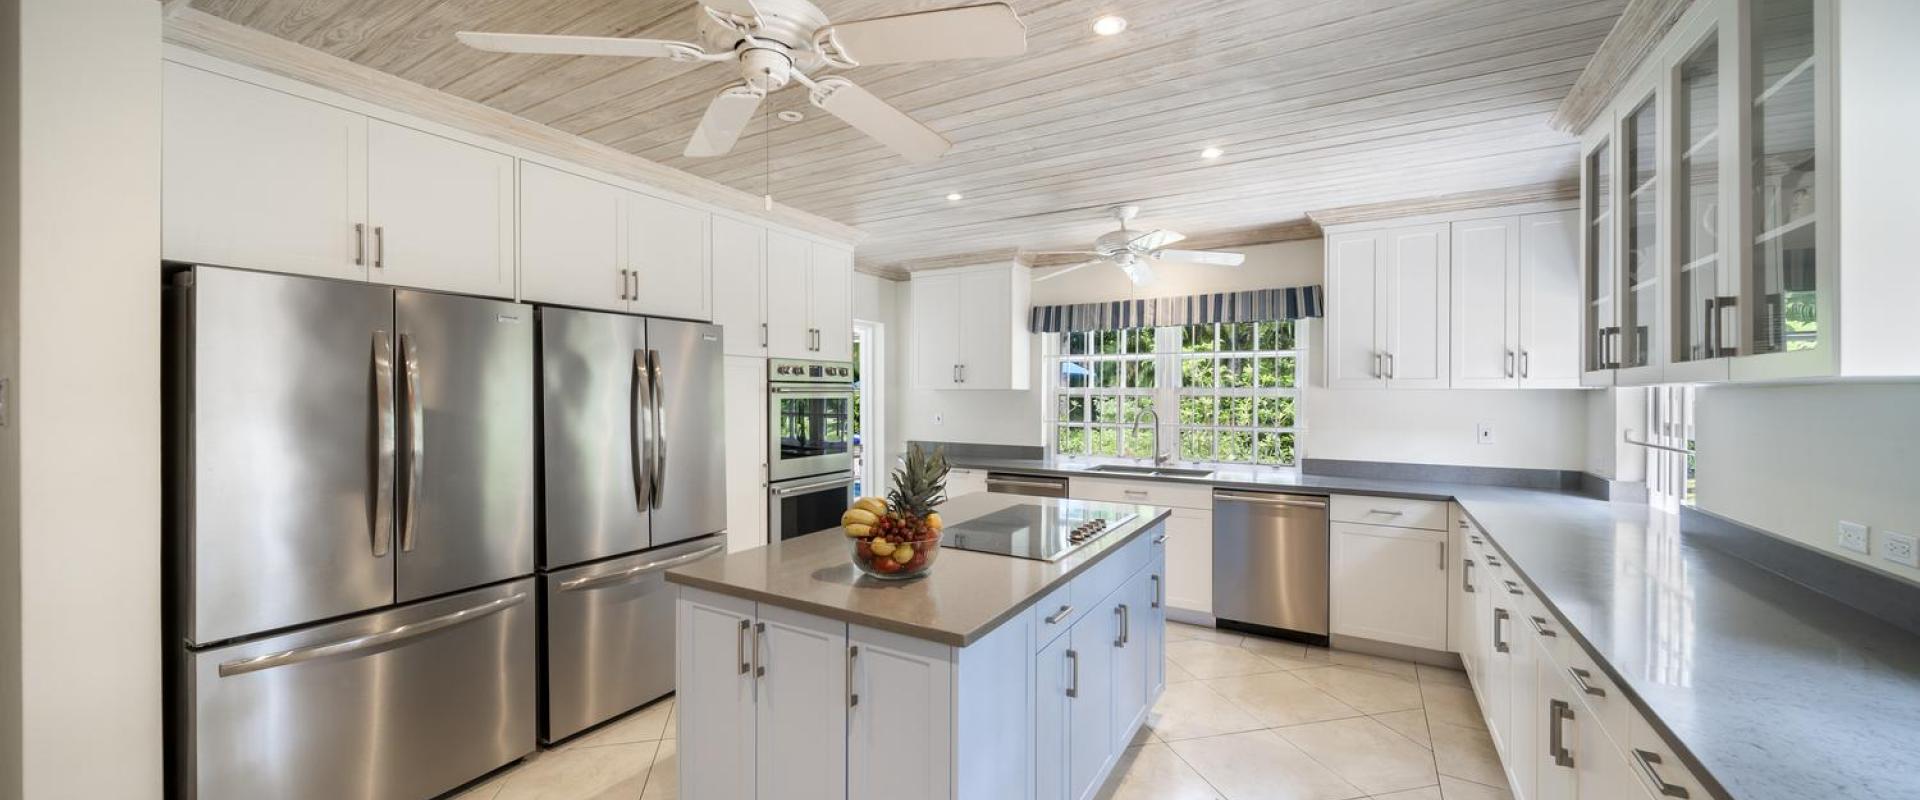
1355	329
986	330
1132	670
666	247
902	710
1501	633
570	240
1701	74
1416	309
1390	584
1599	267
739	285
1526	736
1552	779
1549	301
255	178
936	331
441	210
1090	720
1156	637
1642	324
801	725
831	305
965	481
746	402
714	673
789	332
1486	303
1189	567
1052	710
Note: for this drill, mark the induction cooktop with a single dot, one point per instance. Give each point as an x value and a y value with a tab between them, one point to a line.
1034	531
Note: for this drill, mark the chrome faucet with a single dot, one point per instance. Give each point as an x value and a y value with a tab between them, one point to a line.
1160	459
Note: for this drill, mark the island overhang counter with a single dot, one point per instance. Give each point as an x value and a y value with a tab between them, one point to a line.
990	677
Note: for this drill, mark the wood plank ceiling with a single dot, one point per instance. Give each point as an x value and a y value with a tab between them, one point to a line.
1317	104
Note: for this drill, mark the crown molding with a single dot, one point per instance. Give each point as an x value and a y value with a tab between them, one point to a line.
1447	203
1634	36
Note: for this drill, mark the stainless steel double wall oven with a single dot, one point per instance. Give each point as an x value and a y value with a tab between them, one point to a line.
810	448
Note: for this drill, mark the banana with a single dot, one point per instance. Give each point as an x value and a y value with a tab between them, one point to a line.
875	505
858	516
859	531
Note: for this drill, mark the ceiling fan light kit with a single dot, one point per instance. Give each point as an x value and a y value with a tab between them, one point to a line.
777	42
1133	251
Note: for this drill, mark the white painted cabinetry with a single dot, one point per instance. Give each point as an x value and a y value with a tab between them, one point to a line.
965	481
1189	556
900	715
1515	298
740	285
570	240
809	307
714	673
746	452
1388	318
441	212
666	250
1389	584
970	328
800	664
830	302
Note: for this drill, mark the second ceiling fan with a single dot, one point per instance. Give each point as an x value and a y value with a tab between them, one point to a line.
777	42
1133	251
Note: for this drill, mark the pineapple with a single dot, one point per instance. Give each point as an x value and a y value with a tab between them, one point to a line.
918	486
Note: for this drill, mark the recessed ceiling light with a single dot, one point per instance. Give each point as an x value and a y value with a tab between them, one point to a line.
1212	153
955	197
1109	25
790	116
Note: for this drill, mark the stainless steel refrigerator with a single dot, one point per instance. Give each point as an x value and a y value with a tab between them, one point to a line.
351	537
633	483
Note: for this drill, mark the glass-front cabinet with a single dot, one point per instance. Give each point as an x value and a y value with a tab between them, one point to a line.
1701	80
1598	274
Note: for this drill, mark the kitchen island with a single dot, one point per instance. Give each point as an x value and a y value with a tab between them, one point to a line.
991	677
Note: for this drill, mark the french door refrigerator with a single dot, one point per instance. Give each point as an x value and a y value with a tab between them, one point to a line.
351	537
633	483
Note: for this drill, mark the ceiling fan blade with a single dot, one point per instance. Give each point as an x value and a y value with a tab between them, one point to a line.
990	30
1153	240
559	45
1139	272
1066	269
726	117
740	8
1201	257
876	118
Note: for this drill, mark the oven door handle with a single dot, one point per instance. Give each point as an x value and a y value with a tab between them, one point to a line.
783	491
828	393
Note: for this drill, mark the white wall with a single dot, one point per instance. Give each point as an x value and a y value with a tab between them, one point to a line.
80	570
1795	460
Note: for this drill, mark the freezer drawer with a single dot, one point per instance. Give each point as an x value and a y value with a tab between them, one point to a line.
609	635
405	704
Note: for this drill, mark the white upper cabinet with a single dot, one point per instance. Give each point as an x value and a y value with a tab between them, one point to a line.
570	240
1516	300
666	249
740	285
1389	319
971	328
830	302
260	179
1355	327
1549	300
441	210
809	291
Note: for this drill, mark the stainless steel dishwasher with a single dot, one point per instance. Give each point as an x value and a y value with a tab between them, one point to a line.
1270	563
1030	485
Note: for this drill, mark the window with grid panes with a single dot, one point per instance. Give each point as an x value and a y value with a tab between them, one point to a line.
1224	393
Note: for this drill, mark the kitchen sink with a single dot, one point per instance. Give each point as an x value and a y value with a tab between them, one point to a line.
1152	472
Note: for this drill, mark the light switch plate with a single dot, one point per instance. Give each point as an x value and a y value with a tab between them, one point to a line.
1483	433
1853	536
1900	548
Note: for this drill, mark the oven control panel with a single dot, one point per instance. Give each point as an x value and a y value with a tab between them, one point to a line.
788	370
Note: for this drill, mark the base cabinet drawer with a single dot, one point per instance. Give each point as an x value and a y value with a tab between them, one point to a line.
1150	493
1397	512
1658	769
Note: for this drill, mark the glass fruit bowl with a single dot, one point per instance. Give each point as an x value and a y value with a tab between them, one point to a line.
896	557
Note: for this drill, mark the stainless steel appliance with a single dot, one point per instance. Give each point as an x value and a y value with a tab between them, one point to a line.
1035	531
633	482
1270	563
809	418
807	505
350	533
1029	485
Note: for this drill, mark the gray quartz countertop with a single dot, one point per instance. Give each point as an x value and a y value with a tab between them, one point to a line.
1766	688
963	598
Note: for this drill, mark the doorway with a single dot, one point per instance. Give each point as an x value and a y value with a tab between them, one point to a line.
869	402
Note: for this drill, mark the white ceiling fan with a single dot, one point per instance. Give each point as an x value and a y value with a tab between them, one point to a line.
1132	251
779	41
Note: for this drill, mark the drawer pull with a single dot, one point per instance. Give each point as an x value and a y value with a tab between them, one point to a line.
1540	627
1135	493
1466	576
1161	539
1386	513
1558	713
1159	592
1057	616
1073	684
1499	642
1513	588
1648	761
1580	677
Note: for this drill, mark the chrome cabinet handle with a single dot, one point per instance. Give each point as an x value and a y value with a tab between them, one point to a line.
1389	366
1073	679
1499	642
956	373
1377	371
379	246
640	423
1525	368
1126	621
992	482
416	440
1057	616
763	334
648	568
359	244
1443	556
1509	363
740	646
1267	501
623	285
1466	576
963	373
1648	761
1540	627
1493	562
1386	513
384	443
1512	588
759	667
1159	591
657	391
1161	539
1475	540
369	641
1580	677
783	491
853	697
1134	493
634	277
1558	713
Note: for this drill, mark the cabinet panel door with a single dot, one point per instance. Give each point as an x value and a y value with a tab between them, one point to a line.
260	179
905	711
1417	307
1157	626
1132	672
1549	301
667	246
1390	584
801	723
936	331
441	210
789	332
1486	303
986	330
570	240
831	305
714	673
1354	325
1189	567
739	285
1053	675
746	402
1090	720
1527	709
1550	780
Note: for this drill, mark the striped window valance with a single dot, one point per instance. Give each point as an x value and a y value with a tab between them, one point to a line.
1261	305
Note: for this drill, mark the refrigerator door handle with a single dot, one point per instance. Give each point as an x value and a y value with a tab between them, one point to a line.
648	568
383	442
372	640
416	440
657	480
640	423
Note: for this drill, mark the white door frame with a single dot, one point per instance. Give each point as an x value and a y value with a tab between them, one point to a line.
873	403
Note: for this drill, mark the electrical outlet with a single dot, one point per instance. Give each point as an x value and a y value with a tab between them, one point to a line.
1853	536
1483	433
1900	548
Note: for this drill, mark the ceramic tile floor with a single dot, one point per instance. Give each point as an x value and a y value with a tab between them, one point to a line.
1243	718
